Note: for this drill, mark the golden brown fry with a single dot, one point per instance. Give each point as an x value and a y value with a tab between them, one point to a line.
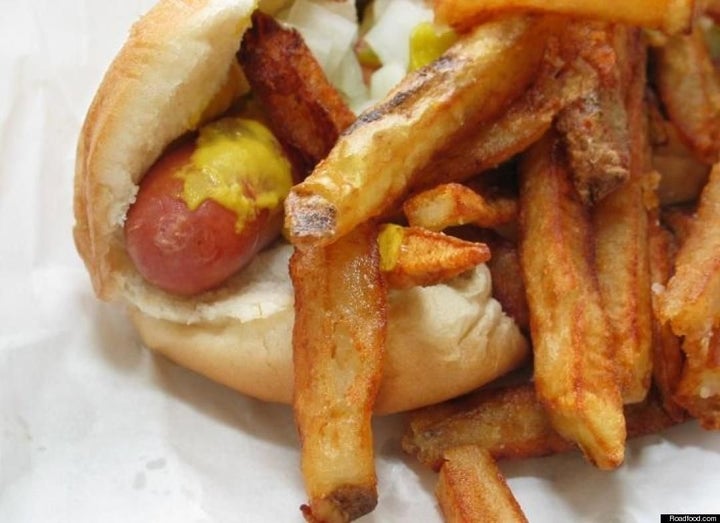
338	348
689	89
562	79
691	301
574	369
595	127
471	488
699	387
305	111
376	160
413	256
454	204
667	361
508	422
620	225
691	306
672	16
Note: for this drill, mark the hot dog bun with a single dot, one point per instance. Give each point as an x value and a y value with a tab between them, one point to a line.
443	340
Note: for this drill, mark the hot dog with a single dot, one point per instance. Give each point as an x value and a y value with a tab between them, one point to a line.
207	207
226	309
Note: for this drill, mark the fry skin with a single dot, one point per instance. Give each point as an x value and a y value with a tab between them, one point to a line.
691	301
338	350
574	369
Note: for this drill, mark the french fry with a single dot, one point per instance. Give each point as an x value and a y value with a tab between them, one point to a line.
412	256
454	204
672	16
691	301
305	111
691	306
595	127
338	349
510	423
575	374
620	225
689	88
667	361
471	488
375	161
699	387
562	79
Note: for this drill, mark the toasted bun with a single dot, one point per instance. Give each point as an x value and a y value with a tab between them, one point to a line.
443	340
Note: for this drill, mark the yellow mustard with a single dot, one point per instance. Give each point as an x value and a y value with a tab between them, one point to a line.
427	42
389	242
239	164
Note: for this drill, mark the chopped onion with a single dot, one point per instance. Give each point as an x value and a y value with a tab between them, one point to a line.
330	29
390	35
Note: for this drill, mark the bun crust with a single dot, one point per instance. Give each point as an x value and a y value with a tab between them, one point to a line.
443	340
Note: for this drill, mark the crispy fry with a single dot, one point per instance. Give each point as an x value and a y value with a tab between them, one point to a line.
510	423
574	371
689	89
454	204
562	79
413	256
375	161
305	111
691	306
667	361
595	127
471	488
691	301
699	387
620	224
672	16
338	347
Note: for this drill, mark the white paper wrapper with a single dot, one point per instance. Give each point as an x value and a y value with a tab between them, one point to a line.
95	428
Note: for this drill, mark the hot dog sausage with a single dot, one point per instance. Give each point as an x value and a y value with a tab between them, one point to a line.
207	207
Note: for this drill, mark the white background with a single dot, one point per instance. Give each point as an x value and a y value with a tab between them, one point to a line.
93	428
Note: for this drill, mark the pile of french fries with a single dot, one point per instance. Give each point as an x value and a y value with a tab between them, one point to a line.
573	147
